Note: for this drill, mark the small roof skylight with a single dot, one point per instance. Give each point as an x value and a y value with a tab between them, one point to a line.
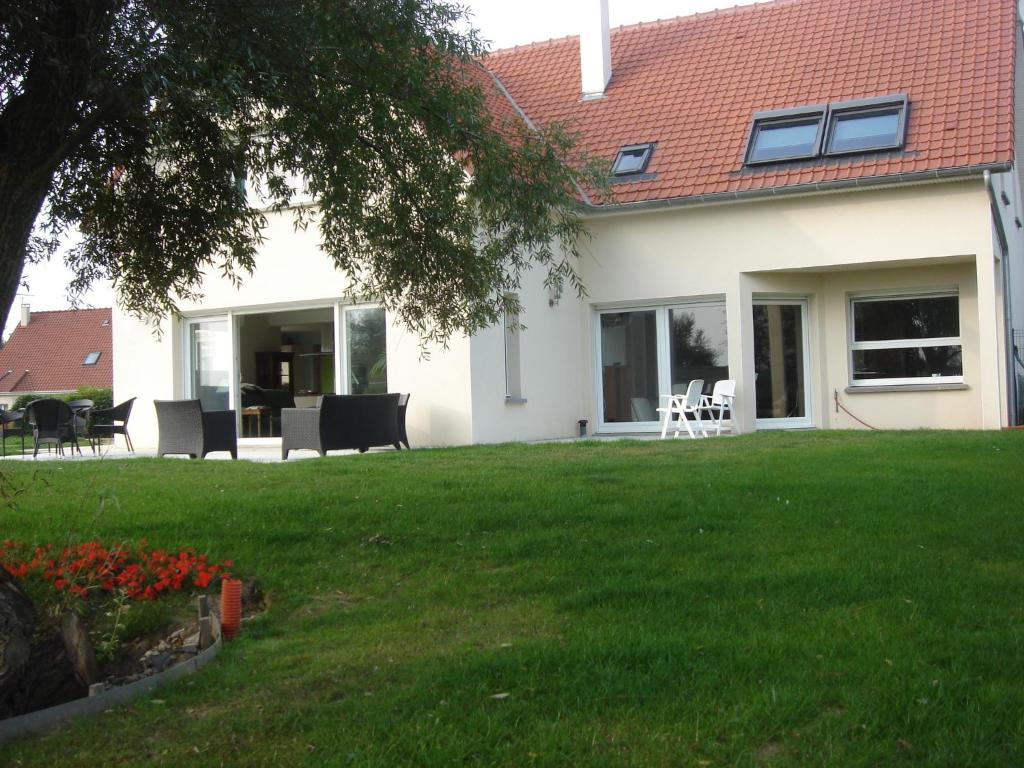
91	359
632	160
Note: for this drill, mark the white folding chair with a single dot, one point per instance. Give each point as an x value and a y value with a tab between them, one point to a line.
682	405
721	398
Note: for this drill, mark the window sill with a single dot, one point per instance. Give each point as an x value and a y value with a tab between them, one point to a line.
515	401
867	389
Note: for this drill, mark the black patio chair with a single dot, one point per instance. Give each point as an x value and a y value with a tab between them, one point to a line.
340	422
12	423
119	413
186	428
82	410
52	422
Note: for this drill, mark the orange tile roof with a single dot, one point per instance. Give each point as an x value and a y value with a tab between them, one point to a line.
692	85
47	354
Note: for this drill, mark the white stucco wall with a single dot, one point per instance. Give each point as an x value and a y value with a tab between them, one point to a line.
820	248
291	272
552	370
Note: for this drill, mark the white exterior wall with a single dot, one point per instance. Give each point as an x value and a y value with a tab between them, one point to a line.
821	248
291	272
552	369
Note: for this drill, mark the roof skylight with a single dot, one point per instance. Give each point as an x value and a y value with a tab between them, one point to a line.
632	160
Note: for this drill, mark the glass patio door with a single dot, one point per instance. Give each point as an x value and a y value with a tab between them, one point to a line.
209	362
781	367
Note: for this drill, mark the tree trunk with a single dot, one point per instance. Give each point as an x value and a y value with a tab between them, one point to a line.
42	124
17	624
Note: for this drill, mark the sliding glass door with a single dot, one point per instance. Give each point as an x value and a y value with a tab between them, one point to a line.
645	353
781	366
209	350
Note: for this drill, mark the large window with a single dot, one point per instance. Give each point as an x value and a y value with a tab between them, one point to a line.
366	342
649	352
210	354
906	339
629	366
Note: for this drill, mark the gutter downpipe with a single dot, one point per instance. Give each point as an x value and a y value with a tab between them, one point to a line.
1004	264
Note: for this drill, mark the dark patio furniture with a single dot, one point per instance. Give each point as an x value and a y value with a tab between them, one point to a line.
254	396
185	428
119	413
52	422
13	423
342	422
82	409
403	406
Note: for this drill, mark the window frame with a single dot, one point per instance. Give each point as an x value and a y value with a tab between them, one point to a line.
866	108
661	308
931	341
89	360
783	117
648	152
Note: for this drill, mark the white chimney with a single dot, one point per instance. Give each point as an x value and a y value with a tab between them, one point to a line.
25	315
595	49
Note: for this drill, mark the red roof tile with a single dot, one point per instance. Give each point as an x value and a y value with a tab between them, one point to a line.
47	354
692	85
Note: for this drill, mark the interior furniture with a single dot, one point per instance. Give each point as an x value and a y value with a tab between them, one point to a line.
721	398
342	422
254	395
255	414
105	422
680	407
275	370
185	428
53	423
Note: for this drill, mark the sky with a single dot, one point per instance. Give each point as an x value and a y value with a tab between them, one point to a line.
503	23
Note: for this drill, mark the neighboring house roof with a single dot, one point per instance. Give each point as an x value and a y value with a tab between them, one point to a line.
47	355
693	84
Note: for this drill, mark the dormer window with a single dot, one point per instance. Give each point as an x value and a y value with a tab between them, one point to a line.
91	359
868	125
632	160
785	134
840	128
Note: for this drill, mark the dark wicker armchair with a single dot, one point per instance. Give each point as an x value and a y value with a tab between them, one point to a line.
52	422
119	413
186	428
342	421
13	423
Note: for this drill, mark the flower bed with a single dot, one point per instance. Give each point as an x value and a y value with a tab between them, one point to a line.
89	612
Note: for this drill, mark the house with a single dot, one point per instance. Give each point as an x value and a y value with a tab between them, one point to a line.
55	353
817	198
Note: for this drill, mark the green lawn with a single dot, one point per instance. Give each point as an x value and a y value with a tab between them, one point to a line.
820	599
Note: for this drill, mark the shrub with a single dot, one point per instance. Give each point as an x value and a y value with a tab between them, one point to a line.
102	397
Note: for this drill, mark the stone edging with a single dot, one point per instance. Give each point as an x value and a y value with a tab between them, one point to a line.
46	719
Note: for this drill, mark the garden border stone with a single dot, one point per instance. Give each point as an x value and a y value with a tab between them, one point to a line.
46	719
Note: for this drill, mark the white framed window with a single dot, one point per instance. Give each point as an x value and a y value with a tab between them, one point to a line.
646	352
905	339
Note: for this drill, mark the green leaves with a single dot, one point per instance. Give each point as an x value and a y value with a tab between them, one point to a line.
428	189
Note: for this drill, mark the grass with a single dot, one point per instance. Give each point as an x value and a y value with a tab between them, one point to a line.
776	599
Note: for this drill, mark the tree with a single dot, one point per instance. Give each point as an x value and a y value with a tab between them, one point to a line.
139	120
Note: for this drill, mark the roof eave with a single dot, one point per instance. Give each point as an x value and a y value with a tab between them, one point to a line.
866	182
